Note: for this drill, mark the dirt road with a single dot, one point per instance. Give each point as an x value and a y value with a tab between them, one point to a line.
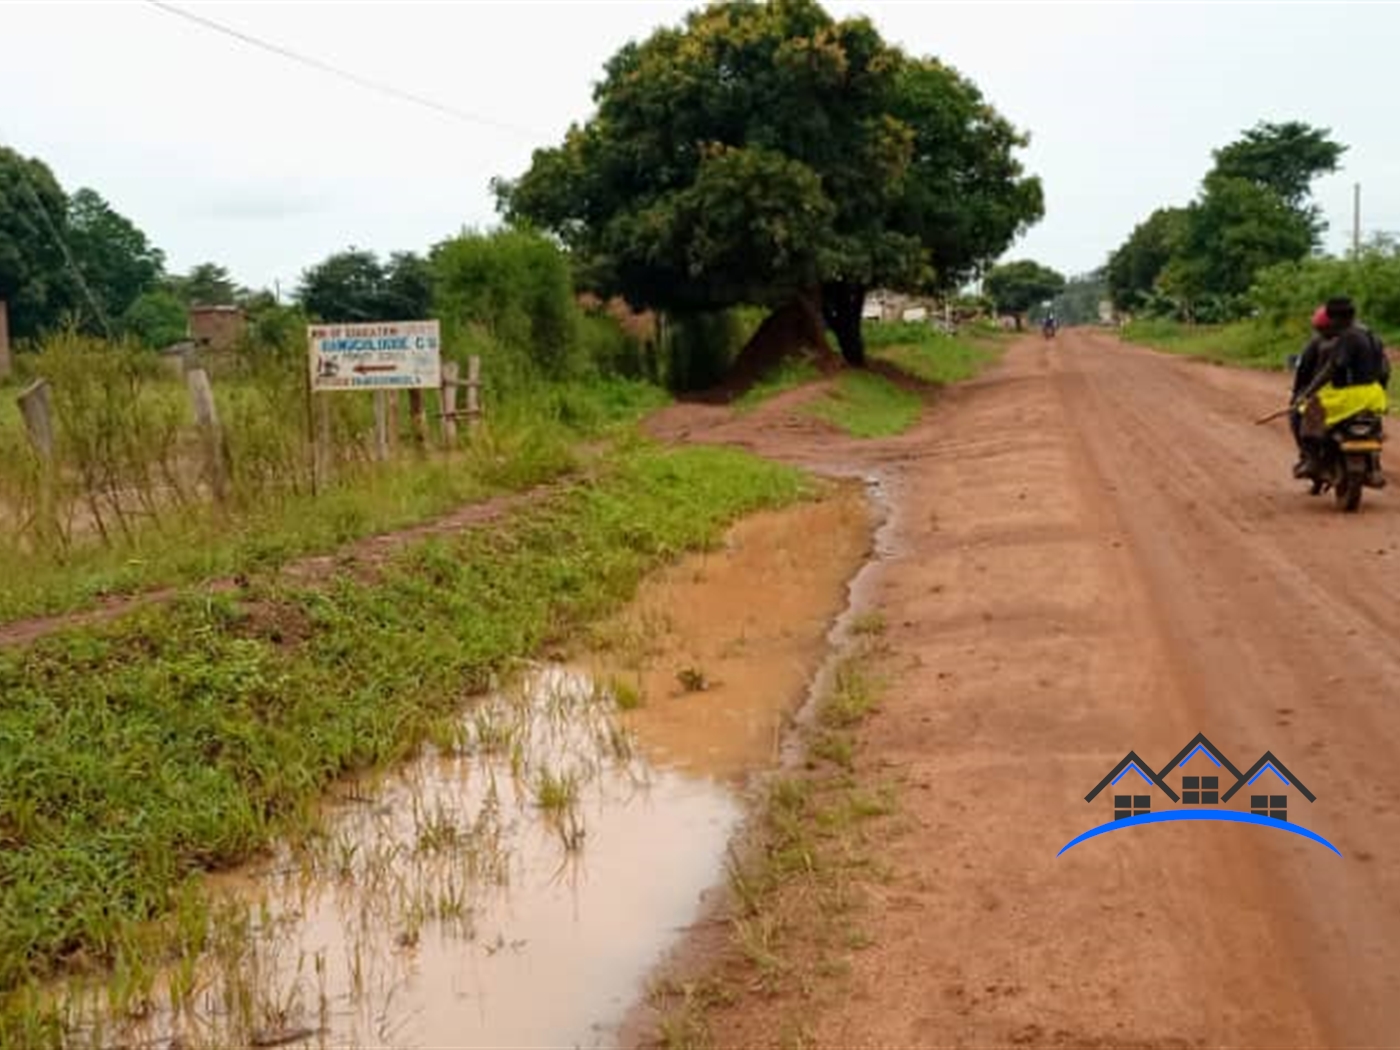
1096	551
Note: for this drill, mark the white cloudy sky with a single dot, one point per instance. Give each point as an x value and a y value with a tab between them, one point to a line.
222	152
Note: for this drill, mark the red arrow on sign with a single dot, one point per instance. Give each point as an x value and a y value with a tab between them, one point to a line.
362	369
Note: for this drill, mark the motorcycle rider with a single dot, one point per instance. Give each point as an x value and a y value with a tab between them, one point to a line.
1343	371
1049	325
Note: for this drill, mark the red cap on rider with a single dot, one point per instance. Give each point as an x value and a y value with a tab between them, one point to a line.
1320	320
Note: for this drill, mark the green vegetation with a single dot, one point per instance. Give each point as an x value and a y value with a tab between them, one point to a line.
865	405
128	517
922	351
186	736
1197	263
1284	298
789	374
831	162
1248	344
1018	288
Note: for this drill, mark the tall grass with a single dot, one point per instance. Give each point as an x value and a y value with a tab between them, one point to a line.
130	511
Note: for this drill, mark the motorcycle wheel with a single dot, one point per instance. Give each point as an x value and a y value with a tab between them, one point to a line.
1349	492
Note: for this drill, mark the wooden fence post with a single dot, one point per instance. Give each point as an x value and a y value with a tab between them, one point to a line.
206	417
473	392
323	440
4	341
381	425
38	423
450	371
34	404
419	416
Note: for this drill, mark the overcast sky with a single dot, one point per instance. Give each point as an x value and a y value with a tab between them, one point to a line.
226	153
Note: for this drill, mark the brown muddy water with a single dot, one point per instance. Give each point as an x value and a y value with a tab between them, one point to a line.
515	886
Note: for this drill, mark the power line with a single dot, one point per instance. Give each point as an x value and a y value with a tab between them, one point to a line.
335	71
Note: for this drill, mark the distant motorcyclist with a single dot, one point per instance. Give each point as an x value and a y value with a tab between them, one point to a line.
1049	325
1342	372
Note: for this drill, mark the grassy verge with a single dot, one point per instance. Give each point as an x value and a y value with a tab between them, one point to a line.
186	737
789	374
528	444
928	354
1247	344
799	898
866	405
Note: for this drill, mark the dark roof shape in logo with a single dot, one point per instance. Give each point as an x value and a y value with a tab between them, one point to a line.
1131	759
1268	759
1200	741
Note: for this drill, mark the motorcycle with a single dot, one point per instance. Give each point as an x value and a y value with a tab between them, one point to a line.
1048	329
1348	460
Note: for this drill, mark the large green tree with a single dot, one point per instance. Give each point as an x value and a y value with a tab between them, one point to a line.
118	264
34	280
1285	158
1017	287
766	153
1237	228
355	285
1133	269
1253	211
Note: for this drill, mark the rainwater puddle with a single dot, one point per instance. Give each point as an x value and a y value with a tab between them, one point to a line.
515	886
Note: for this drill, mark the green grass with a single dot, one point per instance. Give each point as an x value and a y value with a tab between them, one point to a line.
1248	344
789	374
186	737
866	405
528	442
924	352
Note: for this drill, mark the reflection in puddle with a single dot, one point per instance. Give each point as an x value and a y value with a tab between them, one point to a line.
515	886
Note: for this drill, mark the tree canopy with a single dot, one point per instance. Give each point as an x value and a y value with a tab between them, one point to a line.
1017	287
1253	212
33	279
354	286
117	262
766	153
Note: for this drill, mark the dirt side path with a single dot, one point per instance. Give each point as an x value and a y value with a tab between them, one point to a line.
1096	550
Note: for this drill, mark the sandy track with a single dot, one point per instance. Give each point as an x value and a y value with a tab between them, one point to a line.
1096	550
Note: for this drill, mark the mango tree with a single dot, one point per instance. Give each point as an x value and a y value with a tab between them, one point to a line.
768	154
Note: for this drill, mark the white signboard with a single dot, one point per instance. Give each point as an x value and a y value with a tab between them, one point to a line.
388	355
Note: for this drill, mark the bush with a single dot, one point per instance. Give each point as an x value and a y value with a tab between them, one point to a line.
508	293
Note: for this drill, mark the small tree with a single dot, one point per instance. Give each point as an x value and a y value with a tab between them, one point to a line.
1018	286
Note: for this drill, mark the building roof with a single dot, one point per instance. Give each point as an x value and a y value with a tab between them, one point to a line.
1200	741
1131	759
1268	759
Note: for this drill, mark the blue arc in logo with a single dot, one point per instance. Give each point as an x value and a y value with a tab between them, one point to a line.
1200	814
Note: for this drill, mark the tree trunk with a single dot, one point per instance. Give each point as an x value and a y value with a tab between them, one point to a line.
842	306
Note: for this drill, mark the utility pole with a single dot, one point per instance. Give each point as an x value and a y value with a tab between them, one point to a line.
1356	221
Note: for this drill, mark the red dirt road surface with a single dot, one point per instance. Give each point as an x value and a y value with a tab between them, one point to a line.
1095	550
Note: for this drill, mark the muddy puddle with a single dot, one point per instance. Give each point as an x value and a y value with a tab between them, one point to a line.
515	885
